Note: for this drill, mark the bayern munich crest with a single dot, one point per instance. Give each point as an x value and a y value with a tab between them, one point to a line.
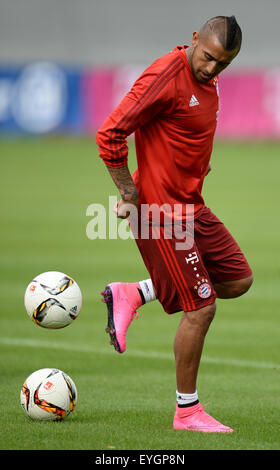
204	290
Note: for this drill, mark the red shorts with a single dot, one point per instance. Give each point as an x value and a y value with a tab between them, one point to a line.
184	280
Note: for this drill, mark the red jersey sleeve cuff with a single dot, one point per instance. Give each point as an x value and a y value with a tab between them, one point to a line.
115	163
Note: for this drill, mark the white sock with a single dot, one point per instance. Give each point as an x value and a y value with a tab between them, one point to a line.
147	290
186	399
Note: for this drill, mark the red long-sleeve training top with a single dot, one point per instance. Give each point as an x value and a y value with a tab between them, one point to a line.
174	119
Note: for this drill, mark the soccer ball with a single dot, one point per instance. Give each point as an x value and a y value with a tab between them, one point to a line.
53	300
48	395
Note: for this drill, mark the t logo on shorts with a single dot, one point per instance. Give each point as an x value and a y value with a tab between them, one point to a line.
193	258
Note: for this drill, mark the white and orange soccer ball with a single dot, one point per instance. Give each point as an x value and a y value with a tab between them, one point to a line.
48	395
53	300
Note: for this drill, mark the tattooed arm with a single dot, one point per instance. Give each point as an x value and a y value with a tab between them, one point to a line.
128	191
151	94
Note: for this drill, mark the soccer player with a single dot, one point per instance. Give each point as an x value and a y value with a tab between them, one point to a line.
173	110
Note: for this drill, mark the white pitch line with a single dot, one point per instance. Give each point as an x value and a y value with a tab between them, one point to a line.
32	343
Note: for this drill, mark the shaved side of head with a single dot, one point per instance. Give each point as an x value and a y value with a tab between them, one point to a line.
226	29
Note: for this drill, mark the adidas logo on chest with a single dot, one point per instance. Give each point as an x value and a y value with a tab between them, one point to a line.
193	101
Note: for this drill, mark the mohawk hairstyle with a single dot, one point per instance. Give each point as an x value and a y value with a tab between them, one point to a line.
227	31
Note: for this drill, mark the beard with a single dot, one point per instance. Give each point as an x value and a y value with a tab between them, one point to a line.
199	74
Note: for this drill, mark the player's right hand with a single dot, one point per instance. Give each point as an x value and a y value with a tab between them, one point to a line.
123	209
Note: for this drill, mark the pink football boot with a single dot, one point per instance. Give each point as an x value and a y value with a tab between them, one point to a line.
122	301
194	418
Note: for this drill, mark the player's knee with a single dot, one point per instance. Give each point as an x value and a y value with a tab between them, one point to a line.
210	312
232	289
207	315
203	317
242	286
247	284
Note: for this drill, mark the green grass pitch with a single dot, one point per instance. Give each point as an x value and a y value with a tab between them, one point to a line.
127	401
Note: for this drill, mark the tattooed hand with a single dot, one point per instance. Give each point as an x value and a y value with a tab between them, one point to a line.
128	191
124	209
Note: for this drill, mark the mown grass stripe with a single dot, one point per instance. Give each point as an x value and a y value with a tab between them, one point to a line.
21	342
